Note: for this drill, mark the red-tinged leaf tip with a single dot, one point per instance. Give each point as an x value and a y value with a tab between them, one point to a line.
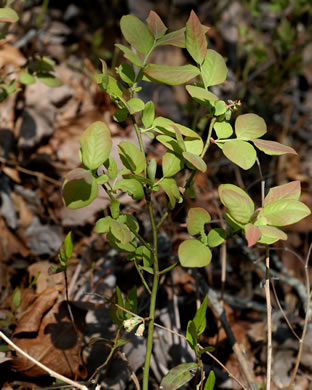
195	39
252	234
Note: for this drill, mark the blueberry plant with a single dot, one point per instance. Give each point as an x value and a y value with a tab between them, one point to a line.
240	141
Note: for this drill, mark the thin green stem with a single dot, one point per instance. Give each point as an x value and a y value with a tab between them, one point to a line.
213	121
142	277
149	342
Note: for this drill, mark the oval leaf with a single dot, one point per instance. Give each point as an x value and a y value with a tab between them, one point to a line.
96	145
195	39
171	164
130	55
240	153
8	15
26	78
132	186
285	212
252	234
192	253
290	190
169	185
79	189
156	25
136	34
273	148
175	38
196	219
120	232
250	126
271	234
213	69
103	225
216	237
200	94
132	157
223	129
135	105
196	161
239	204
171	75
178	376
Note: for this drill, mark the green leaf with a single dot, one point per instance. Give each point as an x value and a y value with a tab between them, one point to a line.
131	302
66	250
161	124
151	169
210	382
171	75
136	34
192	253
194	146
143	253
26	78
196	161
285	212
148	114
171	164
156	25
120	232
220	108
129	247
113	88
96	145
111	166
169	185
126	73
121	115
102	179
49	80
130	221
239	204
8	15
271	234
133	187
200	317
213	69
170	143
191	335
130	55
223	129
202	95
135	105
175	38
79	189
240	153
16	297
195	39
290	190
115	208
196	219
273	148
250	126
131	156
103	225
252	234
178	376
179	138
216	237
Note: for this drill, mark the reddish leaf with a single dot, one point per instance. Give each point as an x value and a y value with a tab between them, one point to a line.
252	234
156	25
175	38
273	148
250	126
195	40
290	190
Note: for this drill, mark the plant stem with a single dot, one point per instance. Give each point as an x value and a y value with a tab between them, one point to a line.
269	317
149	342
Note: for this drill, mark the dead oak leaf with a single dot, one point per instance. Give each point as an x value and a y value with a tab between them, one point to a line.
46	332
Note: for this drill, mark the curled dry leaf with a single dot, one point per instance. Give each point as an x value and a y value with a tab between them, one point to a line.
45	332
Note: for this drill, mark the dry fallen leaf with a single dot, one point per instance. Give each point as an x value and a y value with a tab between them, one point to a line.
46	332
